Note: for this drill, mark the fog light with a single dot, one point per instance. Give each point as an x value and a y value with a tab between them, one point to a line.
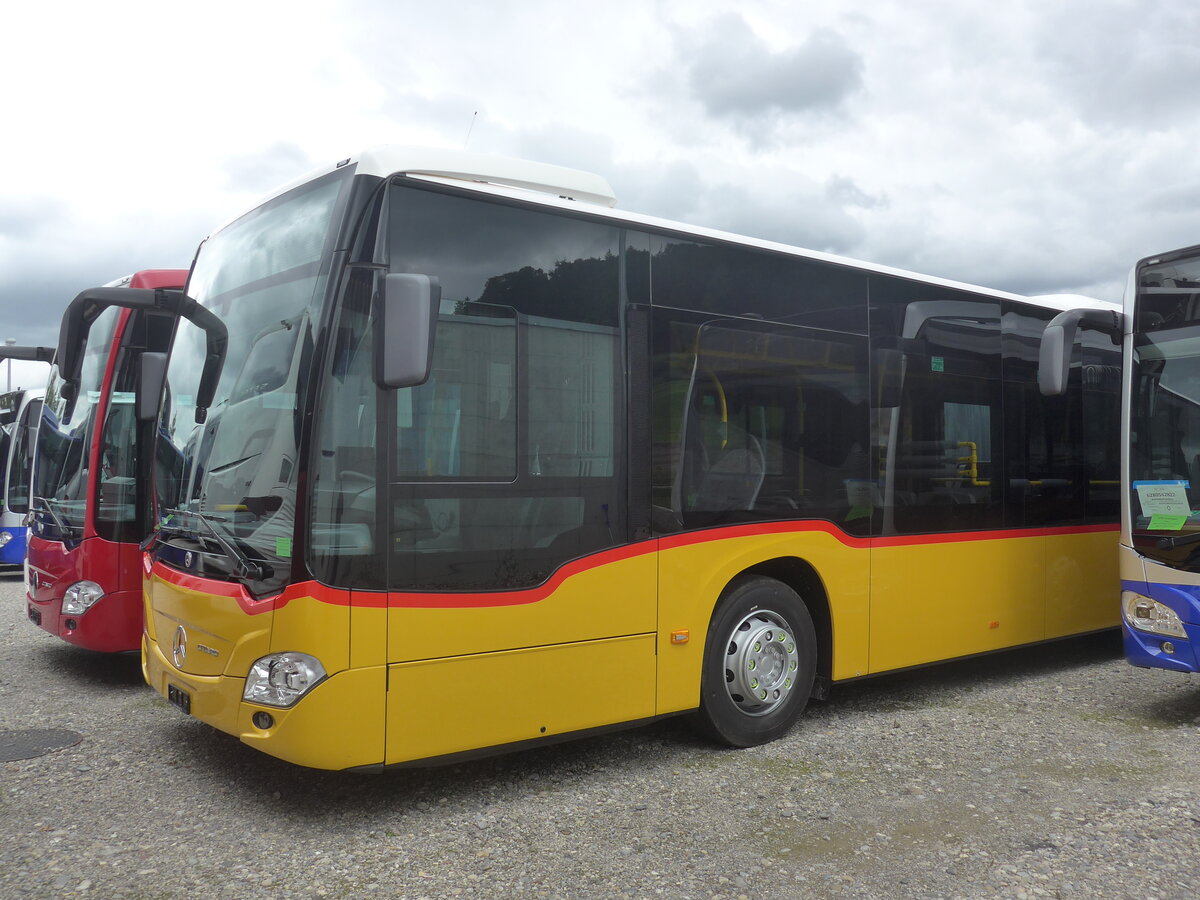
1168	648
263	720
71	624
1146	614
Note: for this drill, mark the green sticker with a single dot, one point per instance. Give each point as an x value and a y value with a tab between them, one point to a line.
283	547
937	364
1167	523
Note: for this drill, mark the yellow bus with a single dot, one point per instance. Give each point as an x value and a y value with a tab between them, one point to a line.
491	463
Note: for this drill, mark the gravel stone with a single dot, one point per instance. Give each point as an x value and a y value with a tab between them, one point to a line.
1056	771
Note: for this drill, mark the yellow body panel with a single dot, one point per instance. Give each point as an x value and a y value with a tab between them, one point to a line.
1083	587
443	706
414	676
338	725
692	577
938	601
599	602
368	631
308	622
216	622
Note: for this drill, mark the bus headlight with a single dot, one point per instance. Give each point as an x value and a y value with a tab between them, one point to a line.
281	679
80	597
1146	614
5	537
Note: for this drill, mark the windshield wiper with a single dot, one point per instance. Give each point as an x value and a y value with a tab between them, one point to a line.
62	526
1170	543
244	566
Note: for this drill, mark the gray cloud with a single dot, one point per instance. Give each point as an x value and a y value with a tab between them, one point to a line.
1125	65
22	217
733	73
268	168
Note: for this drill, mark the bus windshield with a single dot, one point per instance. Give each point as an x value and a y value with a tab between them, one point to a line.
65	438
228	484
1165	417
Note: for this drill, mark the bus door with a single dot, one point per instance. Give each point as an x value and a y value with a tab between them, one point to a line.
946	580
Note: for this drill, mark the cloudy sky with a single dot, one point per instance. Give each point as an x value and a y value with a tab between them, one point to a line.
1037	146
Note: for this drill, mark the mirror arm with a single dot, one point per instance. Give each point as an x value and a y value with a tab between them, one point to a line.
30	354
89	304
1054	355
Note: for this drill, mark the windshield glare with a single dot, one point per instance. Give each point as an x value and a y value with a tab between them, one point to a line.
65	435
261	275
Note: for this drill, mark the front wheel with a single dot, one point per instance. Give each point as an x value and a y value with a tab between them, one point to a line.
759	663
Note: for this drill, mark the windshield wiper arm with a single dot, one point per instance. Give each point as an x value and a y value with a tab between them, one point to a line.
1170	543
54	517
245	567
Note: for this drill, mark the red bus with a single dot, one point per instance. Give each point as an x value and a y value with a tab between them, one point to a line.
90	507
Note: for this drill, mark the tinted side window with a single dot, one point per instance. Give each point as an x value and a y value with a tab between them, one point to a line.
756	422
507	463
739	281
939	424
1063	452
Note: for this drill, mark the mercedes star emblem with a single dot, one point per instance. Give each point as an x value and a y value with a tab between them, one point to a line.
179	647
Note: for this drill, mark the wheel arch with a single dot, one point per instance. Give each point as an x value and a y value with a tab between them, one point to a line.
802	578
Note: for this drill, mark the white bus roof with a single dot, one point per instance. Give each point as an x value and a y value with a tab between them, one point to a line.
572	189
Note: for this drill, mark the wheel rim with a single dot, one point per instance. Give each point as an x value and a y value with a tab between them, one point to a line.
761	662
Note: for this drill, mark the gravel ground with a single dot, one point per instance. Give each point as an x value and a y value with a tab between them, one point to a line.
1050	772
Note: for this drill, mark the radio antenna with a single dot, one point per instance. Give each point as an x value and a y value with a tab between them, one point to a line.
474	116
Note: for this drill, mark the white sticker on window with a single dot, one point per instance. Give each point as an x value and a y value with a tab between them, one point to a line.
1163	498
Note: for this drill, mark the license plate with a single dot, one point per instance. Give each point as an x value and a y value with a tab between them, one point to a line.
180	698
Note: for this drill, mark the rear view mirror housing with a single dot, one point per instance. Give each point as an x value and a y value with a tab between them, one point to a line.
1054	356
406	311
152	375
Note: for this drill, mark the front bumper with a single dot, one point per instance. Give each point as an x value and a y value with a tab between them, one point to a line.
1157	651
339	724
112	625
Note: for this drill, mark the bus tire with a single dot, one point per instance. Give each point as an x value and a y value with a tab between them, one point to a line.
759	663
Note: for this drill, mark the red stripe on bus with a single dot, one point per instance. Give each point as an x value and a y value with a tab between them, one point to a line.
525	596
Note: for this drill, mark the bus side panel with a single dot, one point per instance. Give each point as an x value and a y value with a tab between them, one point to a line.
442	706
606	595
1082	583
945	598
695	569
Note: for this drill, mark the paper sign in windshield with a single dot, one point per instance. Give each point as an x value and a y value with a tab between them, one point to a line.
1167	523
1163	498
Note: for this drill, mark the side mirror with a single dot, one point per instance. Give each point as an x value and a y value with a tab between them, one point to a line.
405	319
152	375
1054	355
